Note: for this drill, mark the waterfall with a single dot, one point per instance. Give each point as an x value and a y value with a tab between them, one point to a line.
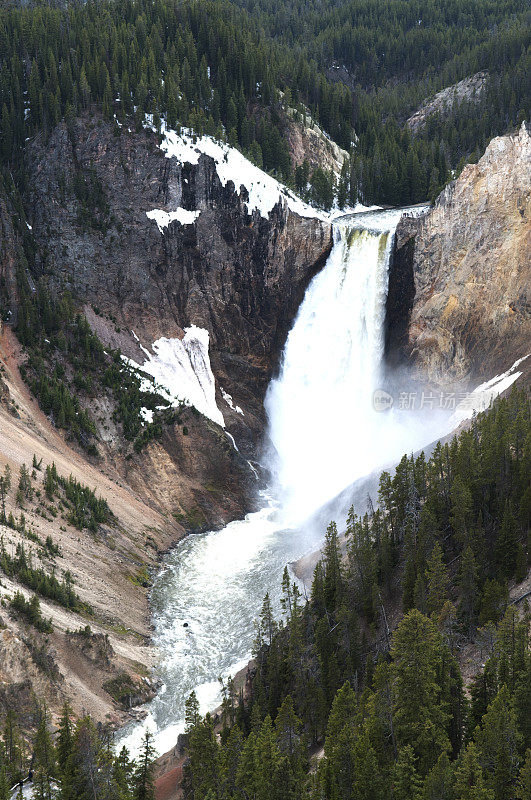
322	422
326	433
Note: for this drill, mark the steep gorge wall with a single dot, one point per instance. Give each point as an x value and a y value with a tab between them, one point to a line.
458	305
239	276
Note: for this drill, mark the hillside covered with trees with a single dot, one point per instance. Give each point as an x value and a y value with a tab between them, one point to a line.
390	706
392	56
78	762
234	69
362	690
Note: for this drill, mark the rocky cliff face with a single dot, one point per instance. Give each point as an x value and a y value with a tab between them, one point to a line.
239	276
8	255
458	301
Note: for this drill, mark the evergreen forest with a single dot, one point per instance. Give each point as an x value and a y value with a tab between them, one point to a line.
233	69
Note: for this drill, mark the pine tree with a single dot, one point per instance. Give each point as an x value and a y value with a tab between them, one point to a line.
204	766
192	716
231	756
437	581
420	716
12	747
143	783
123	774
333	573
483	689
286	600
468	588
461	513
523	787
522	701
406	781
5	792
469	783
344	708
439	782
506	547
266	761
246	774
367	779
268	625
6	141
107	103
45	758
288	733
498	743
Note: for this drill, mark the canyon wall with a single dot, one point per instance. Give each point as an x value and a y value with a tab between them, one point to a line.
240	276
458	305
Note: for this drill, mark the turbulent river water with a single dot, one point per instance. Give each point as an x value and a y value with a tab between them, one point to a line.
326	433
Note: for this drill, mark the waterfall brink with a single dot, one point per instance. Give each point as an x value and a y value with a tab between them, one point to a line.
323	425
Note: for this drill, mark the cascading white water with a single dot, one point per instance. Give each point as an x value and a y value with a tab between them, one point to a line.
323	424
326	434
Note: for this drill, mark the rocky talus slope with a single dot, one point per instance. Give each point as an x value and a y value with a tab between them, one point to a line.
458	305
106	567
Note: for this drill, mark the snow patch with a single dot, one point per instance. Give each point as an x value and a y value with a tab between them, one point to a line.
229	401
231	165
482	396
233	441
147	415
163	218
182	372
253	470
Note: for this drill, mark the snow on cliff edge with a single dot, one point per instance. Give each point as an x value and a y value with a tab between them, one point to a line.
231	165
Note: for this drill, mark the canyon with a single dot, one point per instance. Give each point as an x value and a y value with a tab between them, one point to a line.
456	307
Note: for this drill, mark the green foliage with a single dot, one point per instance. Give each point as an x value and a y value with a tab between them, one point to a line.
420	713
469	783
204	65
388	704
121	688
393	56
67	364
499	745
142	780
30	610
216	68
85	510
53	333
78	762
396	725
47	585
